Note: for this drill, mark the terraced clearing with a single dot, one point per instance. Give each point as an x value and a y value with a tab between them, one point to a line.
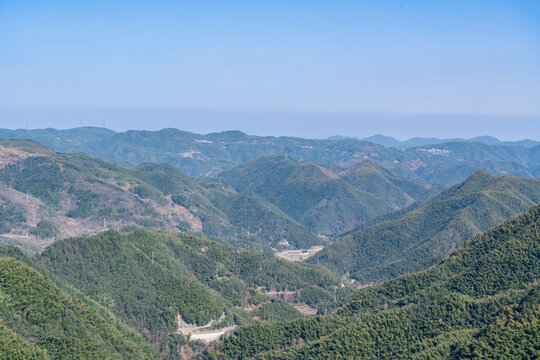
299	255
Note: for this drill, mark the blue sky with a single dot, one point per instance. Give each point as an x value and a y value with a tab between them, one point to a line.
314	61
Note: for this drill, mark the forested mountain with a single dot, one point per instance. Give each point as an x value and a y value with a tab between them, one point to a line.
197	154
47	195
261	219
483	301
39	320
326	200
447	161
397	191
273	202
52	195
421	235
153	281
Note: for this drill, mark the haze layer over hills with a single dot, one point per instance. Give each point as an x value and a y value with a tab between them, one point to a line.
245	232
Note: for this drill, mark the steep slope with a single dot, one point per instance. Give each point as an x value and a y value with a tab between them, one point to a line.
154	280
309	193
396	190
38	320
423	234
262	220
52	194
483	300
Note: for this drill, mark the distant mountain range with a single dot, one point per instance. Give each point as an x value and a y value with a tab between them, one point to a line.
390	141
437	161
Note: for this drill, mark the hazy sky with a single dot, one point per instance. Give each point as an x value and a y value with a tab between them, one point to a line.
294	61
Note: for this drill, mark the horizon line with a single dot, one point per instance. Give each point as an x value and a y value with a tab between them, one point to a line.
449	139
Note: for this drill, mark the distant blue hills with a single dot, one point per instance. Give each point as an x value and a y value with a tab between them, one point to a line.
437	161
390	141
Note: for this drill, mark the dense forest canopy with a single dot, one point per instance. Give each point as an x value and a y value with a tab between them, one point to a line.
481	301
152	281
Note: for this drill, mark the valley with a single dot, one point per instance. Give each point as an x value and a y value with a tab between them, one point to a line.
470	305
269	180
315	255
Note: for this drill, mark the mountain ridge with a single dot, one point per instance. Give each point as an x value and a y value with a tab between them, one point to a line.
47	195
207	155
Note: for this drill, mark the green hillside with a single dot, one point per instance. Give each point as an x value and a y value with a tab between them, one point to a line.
307	193
422	235
148	278
38	320
272	202
483	301
396	190
326	200
12	346
242	219
52	194
263	220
